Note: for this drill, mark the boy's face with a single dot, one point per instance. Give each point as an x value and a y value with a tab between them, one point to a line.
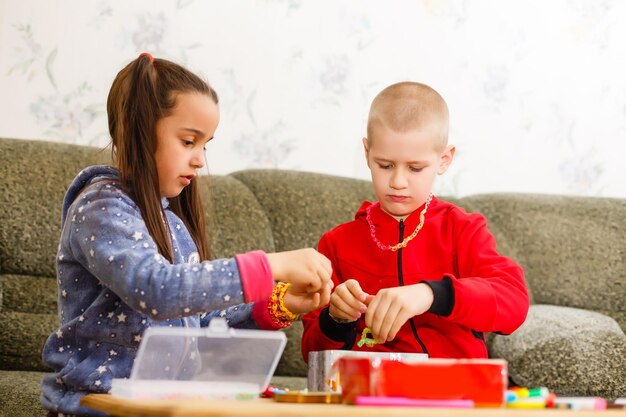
404	166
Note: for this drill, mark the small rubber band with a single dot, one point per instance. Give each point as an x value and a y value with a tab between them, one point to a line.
149	55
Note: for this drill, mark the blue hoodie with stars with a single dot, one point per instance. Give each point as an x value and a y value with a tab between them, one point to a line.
113	284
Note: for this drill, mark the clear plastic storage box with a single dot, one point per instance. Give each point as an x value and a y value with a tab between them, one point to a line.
206	363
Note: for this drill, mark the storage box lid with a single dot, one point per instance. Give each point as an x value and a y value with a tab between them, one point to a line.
216	354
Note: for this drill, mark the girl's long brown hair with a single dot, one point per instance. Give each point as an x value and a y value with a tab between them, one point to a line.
142	93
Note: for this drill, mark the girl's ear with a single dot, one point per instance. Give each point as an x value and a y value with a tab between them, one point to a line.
446	159
366	148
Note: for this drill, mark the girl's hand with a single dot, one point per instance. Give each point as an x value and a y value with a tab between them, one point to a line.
302	303
307	270
348	301
392	307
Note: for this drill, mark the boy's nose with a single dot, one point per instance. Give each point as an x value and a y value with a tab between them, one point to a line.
398	180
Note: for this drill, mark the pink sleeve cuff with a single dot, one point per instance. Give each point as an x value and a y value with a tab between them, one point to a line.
256	276
261	316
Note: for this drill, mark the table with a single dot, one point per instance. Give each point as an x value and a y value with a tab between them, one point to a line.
122	407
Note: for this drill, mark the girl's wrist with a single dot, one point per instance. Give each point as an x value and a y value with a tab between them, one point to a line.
273	263
291	303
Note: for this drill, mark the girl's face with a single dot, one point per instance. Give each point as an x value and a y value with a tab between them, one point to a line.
181	138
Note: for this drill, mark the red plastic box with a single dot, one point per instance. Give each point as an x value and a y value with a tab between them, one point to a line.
482	380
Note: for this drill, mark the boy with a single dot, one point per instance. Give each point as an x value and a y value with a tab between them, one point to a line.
421	273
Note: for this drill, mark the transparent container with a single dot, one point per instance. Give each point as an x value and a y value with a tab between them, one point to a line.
205	363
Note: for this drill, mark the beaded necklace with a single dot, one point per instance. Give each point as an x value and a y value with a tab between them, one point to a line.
407	239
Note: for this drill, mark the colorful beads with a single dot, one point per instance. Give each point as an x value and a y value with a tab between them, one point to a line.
279	313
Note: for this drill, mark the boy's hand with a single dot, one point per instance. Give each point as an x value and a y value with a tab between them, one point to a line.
392	307
307	270
302	303
348	301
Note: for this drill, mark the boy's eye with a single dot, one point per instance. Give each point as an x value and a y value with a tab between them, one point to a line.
416	169
187	142
385	166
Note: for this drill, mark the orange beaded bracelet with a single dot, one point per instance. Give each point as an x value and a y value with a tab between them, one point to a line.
279	313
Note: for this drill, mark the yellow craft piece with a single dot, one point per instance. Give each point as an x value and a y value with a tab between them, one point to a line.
368	341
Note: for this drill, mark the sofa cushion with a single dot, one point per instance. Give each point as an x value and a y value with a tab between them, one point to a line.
291	362
22	336
301	206
28	294
236	222
569	350
31	198
20	394
571	248
289	382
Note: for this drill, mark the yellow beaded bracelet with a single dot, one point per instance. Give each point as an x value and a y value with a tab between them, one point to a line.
281	302
279	313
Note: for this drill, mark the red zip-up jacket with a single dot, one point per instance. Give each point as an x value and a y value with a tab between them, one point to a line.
475	289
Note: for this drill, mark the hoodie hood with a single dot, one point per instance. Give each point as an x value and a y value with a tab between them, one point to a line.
84	178
362	211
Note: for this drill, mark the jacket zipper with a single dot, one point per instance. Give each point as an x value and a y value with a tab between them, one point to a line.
401	281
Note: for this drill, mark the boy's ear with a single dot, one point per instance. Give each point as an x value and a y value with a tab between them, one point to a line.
366	148
446	159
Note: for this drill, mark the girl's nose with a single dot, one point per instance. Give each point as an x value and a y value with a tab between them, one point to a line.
198	160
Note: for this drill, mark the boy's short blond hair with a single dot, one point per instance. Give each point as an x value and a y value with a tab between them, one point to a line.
408	106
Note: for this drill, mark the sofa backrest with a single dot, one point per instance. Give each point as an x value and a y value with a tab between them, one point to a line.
572	249
35	176
301	206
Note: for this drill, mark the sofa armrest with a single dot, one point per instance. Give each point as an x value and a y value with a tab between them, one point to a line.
569	350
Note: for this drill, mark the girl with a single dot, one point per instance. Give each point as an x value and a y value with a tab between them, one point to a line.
133	251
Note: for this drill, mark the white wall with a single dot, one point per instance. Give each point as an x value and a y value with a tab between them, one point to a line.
536	89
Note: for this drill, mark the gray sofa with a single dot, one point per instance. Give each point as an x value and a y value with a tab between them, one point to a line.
573	250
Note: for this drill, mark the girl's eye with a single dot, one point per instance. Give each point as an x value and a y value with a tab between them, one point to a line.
385	166
187	142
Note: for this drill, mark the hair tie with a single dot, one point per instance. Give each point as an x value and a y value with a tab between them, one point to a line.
149	55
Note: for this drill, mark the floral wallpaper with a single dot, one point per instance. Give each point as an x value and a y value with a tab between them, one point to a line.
536	90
